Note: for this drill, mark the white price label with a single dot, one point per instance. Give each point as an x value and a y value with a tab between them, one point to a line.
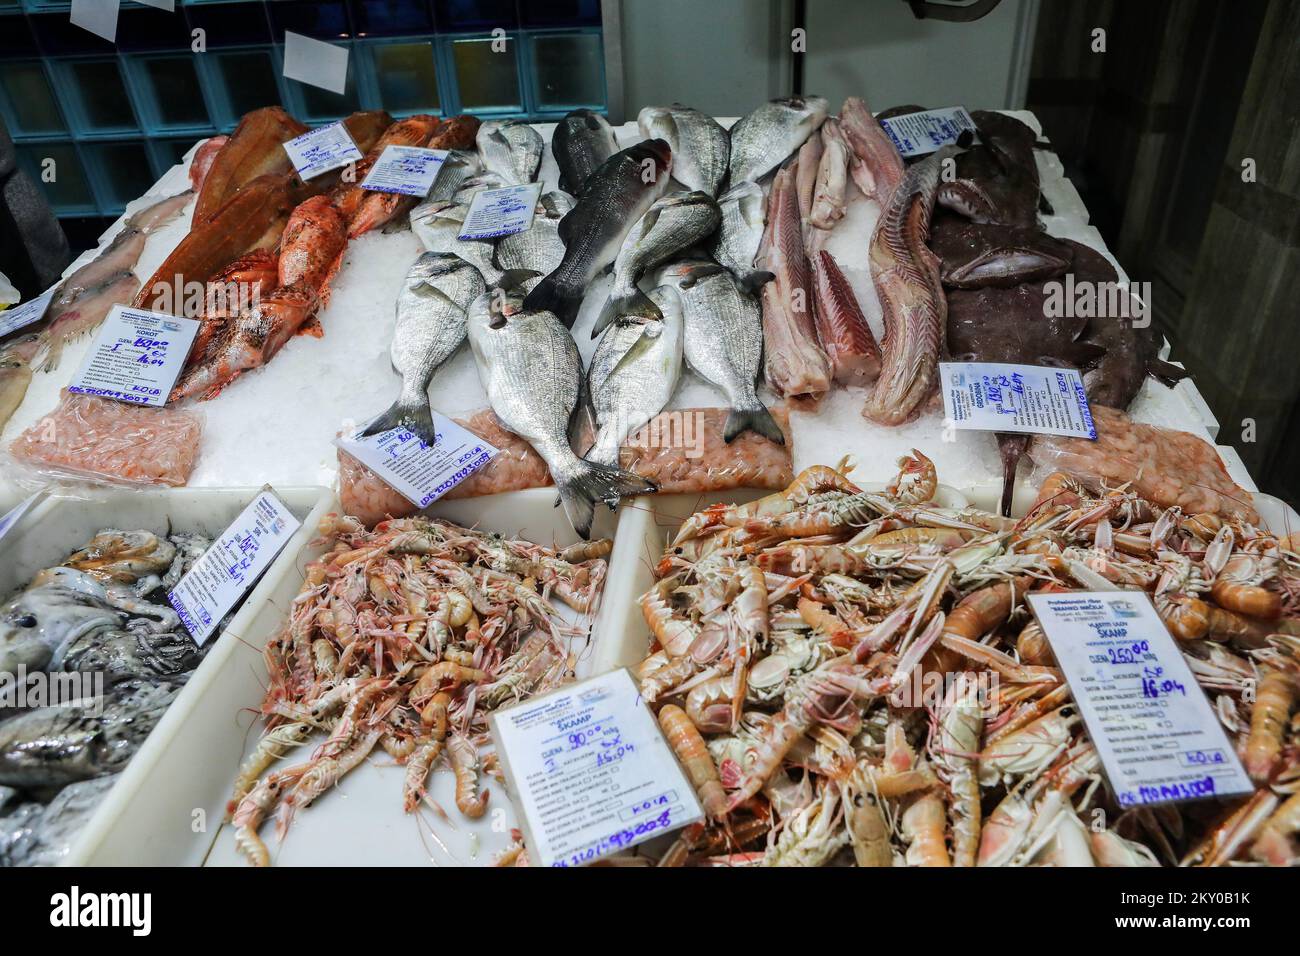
136	357
422	473
918	134
1154	729
591	771
232	565
501	212
409	170
320	150
20	315
1031	399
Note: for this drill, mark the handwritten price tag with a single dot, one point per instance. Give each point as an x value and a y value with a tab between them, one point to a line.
918	134
422	473
232	565
501	212
409	170
1031	399
320	150
591	771
1154	729
20	315
136	357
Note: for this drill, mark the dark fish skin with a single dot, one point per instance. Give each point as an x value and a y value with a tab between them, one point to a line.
616	196
54	746
127	654
977	255
582	141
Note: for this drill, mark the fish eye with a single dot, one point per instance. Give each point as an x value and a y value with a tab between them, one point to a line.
25	620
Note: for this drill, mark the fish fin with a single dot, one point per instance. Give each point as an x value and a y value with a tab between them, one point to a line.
413	415
312	327
1011	448
549	296
754	281
514	278
1083	354
53	352
758	420
695	273
585	483
638	303
1166	372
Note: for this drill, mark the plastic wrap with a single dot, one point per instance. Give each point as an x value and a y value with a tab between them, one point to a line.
682	451
98	439
1166	466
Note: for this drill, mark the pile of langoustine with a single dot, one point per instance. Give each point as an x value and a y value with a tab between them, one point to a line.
790	633
406	637
266	243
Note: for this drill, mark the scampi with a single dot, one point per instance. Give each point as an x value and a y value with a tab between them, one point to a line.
531	370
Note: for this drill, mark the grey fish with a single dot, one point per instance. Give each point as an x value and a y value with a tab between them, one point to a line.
634	372
581	142
55	746
617	195
739	235
38	625
464	194
39	834
539	249
511	149
135	653
430	328
701	147
531	370
438	225
460	165
671	225
766	137
723	341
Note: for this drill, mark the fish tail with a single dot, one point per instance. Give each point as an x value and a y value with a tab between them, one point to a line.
585	482
754	418
551	295
411	412
1010	448
753	282
634	303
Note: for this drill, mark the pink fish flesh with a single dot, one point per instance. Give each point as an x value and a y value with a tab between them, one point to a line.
841	326
874	161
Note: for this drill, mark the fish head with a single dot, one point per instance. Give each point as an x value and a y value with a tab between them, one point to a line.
432	266
556	204
37	625
656	151
812	110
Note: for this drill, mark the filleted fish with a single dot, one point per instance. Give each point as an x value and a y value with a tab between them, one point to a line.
616	197
722	341
673	224
511	149
582	141
765	138
530	368
431	325
634	372
701	147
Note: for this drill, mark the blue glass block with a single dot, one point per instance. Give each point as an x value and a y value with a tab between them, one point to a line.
146	28
391	17
57	36
487	80
28	100
324	21
16	36
560	13
458	16
407	76
247	78
46	6
120	172
167	153
230	24
568	70
96	96
70	190
170	94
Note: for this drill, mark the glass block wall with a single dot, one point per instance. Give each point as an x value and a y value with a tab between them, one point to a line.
113	118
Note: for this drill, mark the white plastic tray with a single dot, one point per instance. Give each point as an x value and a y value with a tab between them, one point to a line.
141	817
361	821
